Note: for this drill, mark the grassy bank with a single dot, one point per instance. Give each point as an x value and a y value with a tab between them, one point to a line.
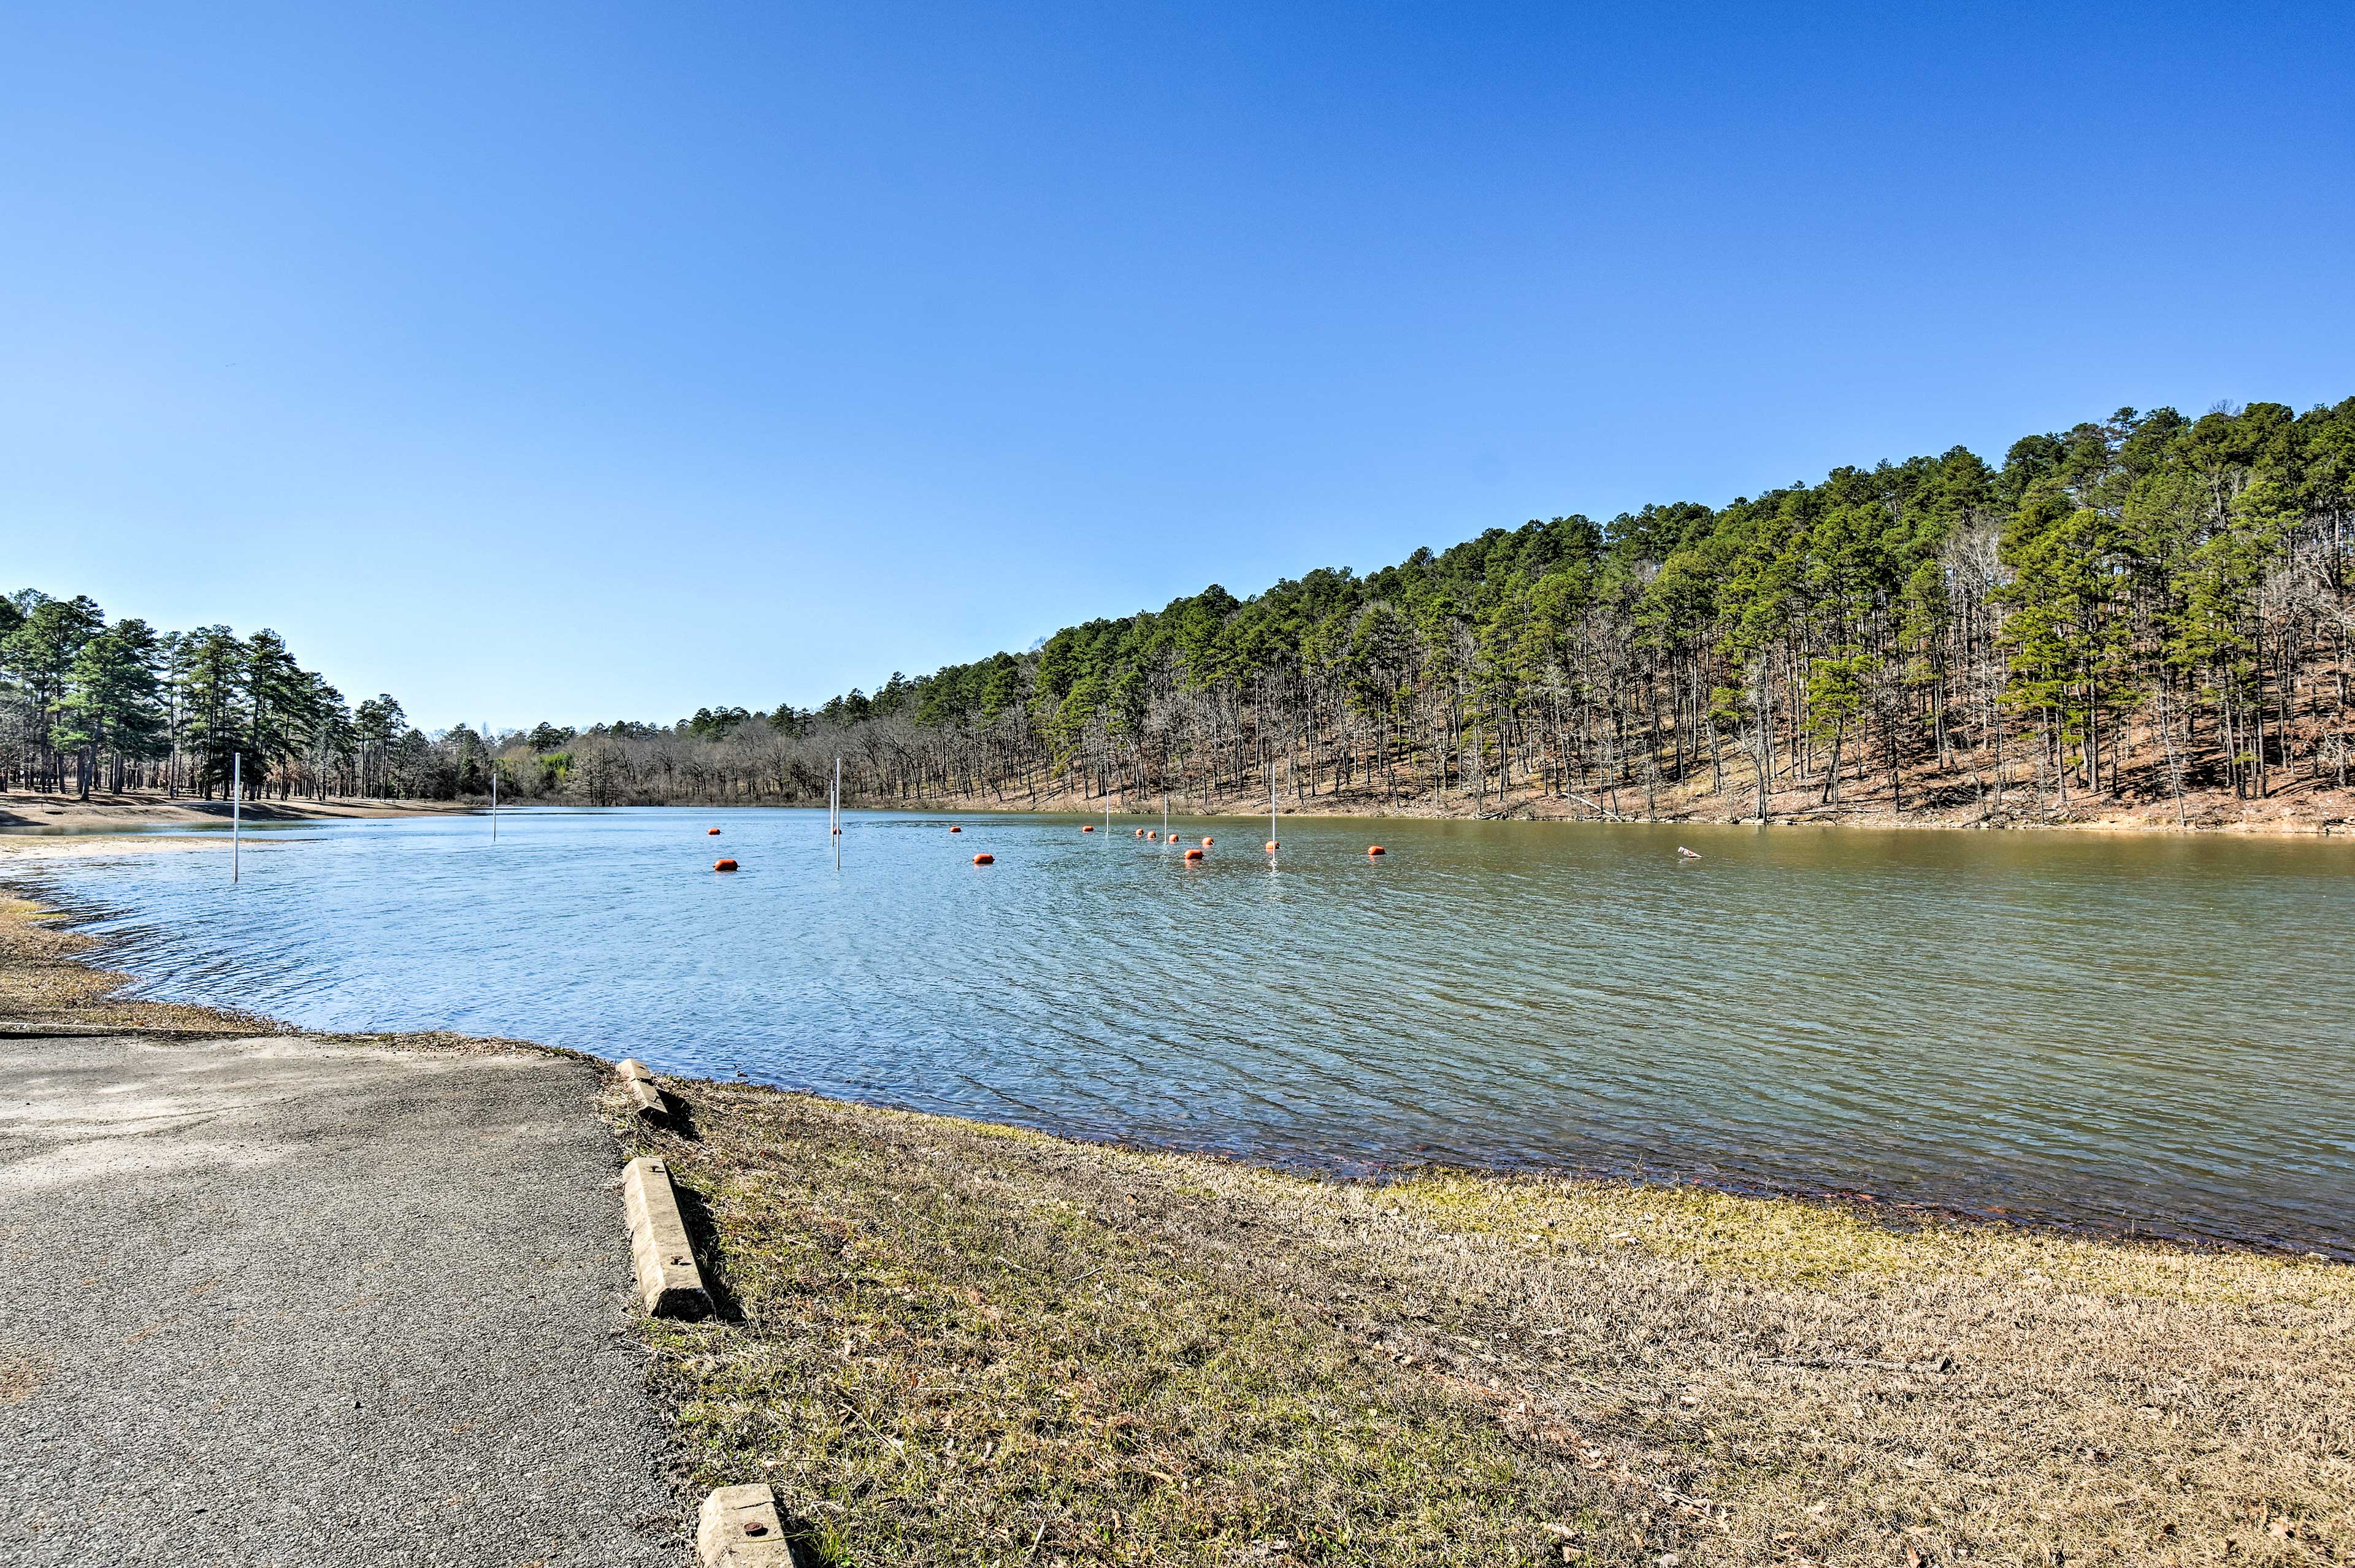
951	1342
948	1342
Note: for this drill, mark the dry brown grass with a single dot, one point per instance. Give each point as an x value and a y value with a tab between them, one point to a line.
959	1343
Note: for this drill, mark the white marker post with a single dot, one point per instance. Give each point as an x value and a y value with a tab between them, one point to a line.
838	814
1270	803
494	765
235	801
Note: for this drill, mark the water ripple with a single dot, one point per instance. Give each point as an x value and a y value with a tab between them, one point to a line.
2090	1029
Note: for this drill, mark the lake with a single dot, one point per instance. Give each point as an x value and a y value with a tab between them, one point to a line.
2155	1032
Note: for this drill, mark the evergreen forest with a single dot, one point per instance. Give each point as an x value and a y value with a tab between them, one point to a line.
2149	605
2146	607
88	705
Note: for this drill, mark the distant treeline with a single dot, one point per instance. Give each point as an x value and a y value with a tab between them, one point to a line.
88	704
2150	602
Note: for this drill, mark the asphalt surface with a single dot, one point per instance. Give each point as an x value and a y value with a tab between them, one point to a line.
272	1301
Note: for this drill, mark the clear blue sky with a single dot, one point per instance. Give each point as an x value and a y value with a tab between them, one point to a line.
578	362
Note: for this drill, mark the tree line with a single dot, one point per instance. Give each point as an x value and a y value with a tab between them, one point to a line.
2145	606
2148	605
88	704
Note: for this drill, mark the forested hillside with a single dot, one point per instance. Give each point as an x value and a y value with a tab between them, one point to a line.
2146	609
2146	606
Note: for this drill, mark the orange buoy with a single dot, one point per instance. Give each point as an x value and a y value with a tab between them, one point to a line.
1090	827
1154	834
723	865
1140	833
713	831
1193	854
954	828
1372	850
1205	843
984	859
1271	846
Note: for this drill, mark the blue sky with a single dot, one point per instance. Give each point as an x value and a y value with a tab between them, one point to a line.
575	361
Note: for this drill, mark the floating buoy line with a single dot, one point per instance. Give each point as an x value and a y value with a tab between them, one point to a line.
1373	851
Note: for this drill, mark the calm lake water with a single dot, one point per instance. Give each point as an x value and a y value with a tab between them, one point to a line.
2110	1030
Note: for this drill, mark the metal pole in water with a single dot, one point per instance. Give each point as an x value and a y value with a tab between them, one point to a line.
236	804
494	784
838	814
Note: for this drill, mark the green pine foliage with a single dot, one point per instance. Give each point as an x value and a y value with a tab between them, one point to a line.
2147	602
89	706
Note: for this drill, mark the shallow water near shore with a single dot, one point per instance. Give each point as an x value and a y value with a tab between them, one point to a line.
2124	1031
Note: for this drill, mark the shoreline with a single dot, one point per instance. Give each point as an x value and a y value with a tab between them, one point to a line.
1635	1371
32	812
2296	812
93	988
2301	808
949	1338
2334	827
